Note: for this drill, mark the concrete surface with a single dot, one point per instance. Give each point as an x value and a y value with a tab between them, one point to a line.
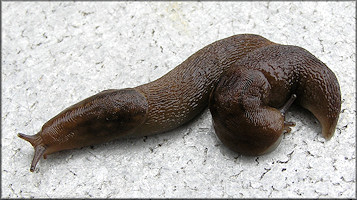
57	53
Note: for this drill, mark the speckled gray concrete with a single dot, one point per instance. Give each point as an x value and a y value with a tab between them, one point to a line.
55	54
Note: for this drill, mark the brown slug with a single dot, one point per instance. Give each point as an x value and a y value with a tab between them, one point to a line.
244	78
251	98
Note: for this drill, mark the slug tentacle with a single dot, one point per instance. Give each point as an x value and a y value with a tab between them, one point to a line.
39	152
288	104
283	110
287	126
248	82
33	139
37	143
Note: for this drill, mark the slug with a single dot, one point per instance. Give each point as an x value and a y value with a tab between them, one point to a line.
244	80
251	98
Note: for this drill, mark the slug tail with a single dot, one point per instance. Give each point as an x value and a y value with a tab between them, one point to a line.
36	142
328	129
320	94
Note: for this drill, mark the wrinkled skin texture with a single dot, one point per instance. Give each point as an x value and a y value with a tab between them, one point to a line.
245	104
256	77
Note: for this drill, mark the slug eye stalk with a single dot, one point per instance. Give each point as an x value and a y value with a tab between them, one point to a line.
40	149
287	105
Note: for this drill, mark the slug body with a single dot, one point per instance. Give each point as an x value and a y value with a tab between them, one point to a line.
185	91
245	105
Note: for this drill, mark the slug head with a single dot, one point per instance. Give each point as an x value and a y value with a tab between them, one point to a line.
106	116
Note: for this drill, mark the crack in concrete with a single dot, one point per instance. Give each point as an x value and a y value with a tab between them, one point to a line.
320	194
313	155
236	175
205	156
289	158
72	172
12	190
186	134
266	171
256	160
158	173
346	181
186	186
